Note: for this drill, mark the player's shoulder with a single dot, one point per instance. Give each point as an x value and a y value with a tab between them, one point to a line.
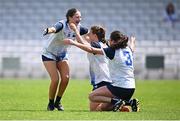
59	26
109	52
128	48
62	21
83	30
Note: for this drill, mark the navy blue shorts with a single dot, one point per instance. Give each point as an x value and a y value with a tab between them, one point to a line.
44	58
122	93
55	58
103	83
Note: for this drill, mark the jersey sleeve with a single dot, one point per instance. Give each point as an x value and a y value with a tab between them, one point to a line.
58	26
109	52
95	45
83	30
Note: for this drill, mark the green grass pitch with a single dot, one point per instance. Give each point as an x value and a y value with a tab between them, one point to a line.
27	100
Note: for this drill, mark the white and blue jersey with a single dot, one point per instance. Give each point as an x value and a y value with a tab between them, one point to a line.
55	45
121	67
98	66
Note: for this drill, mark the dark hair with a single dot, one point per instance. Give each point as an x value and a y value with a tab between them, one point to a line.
120	40
70	13
170	9
100	32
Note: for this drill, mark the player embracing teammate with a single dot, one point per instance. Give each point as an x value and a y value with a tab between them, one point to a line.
55	56
113	91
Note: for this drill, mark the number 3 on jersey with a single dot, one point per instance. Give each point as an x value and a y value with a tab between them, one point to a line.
128	60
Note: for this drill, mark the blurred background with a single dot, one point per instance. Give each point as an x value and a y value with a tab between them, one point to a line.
157	54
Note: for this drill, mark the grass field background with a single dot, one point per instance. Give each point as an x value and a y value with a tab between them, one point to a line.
27	99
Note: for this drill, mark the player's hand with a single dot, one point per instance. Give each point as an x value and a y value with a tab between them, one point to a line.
68	42
132	43
133	39
45	32
73	26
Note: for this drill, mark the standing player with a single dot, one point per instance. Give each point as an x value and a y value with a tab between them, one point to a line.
55	58
98	64
121	71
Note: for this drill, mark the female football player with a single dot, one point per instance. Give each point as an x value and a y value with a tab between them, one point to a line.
55	56
98	64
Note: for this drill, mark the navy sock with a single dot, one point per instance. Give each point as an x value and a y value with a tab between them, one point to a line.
51	101
58	99
114	100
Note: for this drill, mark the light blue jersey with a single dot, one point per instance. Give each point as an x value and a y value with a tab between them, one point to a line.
121	67
98	66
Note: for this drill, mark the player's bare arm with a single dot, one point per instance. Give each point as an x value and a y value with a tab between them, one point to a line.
83	47
73	27
132	43
79	38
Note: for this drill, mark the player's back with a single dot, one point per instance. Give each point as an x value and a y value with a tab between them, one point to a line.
122	69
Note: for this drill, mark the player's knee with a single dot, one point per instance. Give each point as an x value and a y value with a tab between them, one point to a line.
91	96
65	79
